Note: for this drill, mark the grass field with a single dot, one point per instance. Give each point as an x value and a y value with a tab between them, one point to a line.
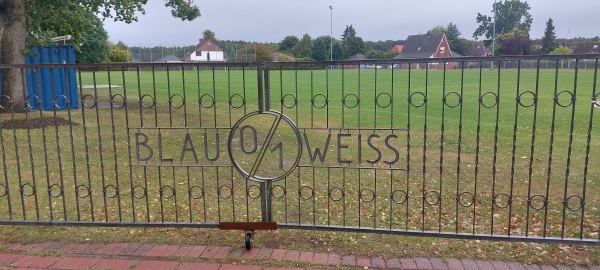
491	152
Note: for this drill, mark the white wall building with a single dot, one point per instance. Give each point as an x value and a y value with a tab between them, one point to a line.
206	51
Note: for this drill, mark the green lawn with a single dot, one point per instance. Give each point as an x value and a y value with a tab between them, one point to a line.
481	153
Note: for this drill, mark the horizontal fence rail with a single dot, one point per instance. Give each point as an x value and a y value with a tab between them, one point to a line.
495	148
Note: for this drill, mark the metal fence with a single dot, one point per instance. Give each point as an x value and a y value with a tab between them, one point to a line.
459	151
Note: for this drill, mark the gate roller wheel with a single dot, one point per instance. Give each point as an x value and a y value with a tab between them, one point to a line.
248	239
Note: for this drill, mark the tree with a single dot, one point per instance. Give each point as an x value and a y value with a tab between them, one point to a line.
352	43
209	35
377	54
94	44
549	43
509	14
304	47
119	53
457	43
440	29
516	42
263	53
382	45
338	52
320	49
561	50
28	21
288	43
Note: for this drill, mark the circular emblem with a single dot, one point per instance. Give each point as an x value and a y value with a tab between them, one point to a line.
265	146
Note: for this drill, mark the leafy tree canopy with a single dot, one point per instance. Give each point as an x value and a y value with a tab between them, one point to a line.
94	44
383	45
38	20
440	29
320	49
562	50
288	43
509	14
304	47
263	53
119	53
516	42
338	52
352	43
209	35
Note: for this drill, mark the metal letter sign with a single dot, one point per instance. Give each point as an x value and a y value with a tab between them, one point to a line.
264	162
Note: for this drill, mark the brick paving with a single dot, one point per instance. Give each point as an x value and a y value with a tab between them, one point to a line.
149	256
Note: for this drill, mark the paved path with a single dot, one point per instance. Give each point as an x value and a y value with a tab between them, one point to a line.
54	255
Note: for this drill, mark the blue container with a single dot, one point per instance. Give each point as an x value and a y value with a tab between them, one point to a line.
51	84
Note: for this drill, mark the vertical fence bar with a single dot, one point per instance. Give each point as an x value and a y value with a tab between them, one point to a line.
21	184
84	106
514	148
100	150
423	187
53	103
72	141
533	140
131	185
159	168
460	129
442	129
477	146
409	106
495	159
259	80
569	151
113	105
6	186
45	147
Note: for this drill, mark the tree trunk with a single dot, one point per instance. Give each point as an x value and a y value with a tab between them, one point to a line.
13	30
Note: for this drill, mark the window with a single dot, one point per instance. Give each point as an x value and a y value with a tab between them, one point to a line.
442	49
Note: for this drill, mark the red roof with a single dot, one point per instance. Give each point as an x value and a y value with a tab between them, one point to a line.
208	46
397	48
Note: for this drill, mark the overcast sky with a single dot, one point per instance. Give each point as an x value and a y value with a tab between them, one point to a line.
272	20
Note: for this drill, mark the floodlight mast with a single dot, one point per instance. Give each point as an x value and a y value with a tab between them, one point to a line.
331	35
494	33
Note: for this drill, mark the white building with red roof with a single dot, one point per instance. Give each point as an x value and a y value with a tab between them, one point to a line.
206	51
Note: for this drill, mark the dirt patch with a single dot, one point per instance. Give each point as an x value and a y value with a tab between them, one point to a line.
35	123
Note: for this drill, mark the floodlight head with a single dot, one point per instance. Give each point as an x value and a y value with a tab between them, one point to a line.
62	38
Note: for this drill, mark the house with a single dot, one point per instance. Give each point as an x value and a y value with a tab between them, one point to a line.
206	51
430	45
586	48
478	50
356	57
169	59
397	49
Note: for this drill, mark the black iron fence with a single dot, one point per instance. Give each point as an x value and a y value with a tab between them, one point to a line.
438	147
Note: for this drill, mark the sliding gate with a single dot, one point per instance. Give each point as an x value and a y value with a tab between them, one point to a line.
462	147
